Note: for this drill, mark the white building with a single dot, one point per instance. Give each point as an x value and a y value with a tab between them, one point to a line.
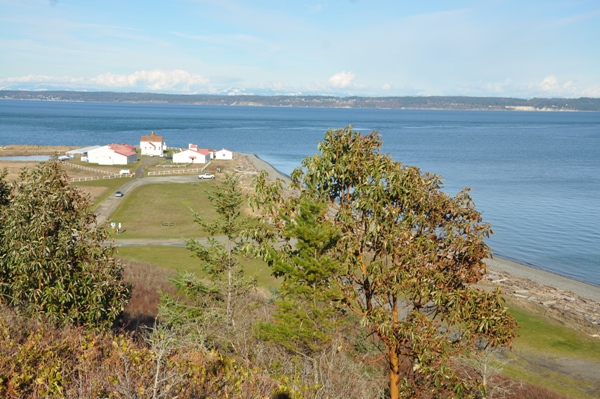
193	155
224	154
153	145
82	153
112	154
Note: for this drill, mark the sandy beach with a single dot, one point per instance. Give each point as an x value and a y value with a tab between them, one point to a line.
545	278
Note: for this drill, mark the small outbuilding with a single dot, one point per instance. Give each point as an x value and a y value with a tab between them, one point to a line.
224	154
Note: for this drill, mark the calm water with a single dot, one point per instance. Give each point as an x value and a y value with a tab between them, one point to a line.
534	175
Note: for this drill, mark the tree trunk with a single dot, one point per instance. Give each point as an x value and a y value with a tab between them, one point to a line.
229	284
394	373
393	356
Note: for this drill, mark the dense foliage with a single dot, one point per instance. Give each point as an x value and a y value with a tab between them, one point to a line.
52	254
406	257
306	343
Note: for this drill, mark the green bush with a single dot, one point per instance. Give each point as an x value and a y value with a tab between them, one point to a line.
52	254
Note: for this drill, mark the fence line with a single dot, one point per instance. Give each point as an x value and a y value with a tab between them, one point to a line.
89	178
108	174
175	166
74	165
168	172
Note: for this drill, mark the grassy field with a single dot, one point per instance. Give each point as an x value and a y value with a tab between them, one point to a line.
145	211
553	356
181	259
100	189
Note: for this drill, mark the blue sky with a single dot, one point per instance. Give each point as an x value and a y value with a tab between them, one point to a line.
505	48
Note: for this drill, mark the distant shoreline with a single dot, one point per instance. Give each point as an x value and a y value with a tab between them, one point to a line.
433	103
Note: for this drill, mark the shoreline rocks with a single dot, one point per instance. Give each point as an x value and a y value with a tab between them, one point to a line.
561	305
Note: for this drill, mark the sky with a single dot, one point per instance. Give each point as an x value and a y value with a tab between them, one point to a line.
491	48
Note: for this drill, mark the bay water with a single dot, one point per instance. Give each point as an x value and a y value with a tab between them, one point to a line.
534	175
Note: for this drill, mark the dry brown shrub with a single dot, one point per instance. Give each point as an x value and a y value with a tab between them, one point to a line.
40	360
147	280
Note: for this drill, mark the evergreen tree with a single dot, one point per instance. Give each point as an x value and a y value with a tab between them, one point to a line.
304	321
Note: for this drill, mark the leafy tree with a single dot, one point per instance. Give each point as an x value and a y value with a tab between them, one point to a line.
52	254
407	257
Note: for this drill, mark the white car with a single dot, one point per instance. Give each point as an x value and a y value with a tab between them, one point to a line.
206	176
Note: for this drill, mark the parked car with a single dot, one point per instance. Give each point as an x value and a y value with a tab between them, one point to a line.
206	176
119	193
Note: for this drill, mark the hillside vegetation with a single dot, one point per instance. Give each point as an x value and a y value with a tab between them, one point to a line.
201	321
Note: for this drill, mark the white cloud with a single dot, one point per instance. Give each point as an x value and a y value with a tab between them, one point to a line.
43	79
592	91
157	80
497	87
549	83
342	79
386	87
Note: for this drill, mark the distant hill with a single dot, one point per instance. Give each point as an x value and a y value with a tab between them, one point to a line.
435	102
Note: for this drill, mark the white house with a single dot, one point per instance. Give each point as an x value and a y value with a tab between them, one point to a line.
224	154
112	154
153	145
193	155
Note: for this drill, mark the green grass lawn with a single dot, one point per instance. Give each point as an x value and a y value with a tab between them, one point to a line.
540	336
144	211
181	259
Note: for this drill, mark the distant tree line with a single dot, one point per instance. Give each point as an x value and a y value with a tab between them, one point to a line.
409	102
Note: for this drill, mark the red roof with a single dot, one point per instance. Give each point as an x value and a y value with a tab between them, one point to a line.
123	149
152	137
